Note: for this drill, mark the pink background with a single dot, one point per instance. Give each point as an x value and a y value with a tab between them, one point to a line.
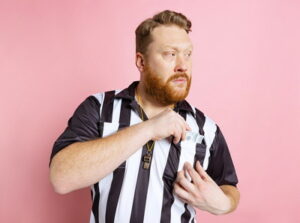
246	75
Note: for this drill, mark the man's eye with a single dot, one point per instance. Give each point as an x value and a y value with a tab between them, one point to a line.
188	54
170	54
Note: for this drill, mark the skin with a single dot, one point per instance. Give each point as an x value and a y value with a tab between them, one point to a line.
203	193
169	53
82	164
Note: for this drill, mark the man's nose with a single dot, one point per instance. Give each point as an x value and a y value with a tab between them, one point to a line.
181	65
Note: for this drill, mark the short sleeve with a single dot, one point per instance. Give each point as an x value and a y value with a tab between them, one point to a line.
221	168
82	126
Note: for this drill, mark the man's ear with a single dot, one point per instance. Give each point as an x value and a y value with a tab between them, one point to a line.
140	61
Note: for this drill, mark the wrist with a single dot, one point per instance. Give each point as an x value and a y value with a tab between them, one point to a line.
148	129
226	206
222	207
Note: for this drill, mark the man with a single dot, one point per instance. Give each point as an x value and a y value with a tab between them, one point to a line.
148	155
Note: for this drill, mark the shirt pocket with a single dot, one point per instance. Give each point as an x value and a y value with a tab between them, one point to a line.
192	151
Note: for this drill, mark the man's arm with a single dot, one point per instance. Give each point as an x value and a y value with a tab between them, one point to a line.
82	164
233	194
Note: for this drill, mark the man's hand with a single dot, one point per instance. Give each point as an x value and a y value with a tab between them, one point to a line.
168	123
202	192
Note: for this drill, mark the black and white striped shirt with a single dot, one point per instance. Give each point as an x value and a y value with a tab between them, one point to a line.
134	194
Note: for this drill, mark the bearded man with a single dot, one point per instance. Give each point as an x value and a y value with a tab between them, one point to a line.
147	154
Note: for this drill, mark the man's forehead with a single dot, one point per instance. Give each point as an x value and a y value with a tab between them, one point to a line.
171	37
174	45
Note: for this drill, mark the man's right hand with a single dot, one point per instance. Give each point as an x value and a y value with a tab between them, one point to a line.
82	164
168	123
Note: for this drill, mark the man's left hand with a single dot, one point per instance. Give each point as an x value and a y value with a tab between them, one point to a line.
202	192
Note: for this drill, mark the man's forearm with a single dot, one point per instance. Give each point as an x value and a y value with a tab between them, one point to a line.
233	194
83	163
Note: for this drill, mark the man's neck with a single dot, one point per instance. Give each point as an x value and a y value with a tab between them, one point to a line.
150	106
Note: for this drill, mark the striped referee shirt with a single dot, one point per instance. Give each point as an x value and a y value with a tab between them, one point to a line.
134	194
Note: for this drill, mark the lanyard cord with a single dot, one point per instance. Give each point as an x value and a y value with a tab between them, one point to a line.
149	148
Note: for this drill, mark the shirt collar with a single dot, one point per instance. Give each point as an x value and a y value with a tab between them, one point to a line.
129	93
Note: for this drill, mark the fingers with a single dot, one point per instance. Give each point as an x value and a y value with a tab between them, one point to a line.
201	171
185	125
184	182
181	128
177	132
195	176
169	123
181	193
188	127
183	132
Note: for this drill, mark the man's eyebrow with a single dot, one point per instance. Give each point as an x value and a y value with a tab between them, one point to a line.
189	47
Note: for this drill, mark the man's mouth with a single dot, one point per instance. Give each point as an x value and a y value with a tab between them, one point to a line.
180	80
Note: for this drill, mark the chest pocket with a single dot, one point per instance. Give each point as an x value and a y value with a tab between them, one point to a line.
193	151
189	151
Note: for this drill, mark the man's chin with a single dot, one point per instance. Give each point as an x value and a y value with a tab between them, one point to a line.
179	95
178	89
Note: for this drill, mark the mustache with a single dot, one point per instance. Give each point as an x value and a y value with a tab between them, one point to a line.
176	76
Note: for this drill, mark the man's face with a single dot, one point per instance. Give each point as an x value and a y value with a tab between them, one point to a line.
168	65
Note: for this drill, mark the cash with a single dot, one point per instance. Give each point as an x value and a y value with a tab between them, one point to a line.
194	137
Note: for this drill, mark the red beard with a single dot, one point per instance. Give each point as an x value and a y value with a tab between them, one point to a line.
164	92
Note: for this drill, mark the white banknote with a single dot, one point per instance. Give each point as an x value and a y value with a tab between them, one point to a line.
194	137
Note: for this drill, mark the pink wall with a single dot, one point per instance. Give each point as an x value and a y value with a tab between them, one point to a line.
53	54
